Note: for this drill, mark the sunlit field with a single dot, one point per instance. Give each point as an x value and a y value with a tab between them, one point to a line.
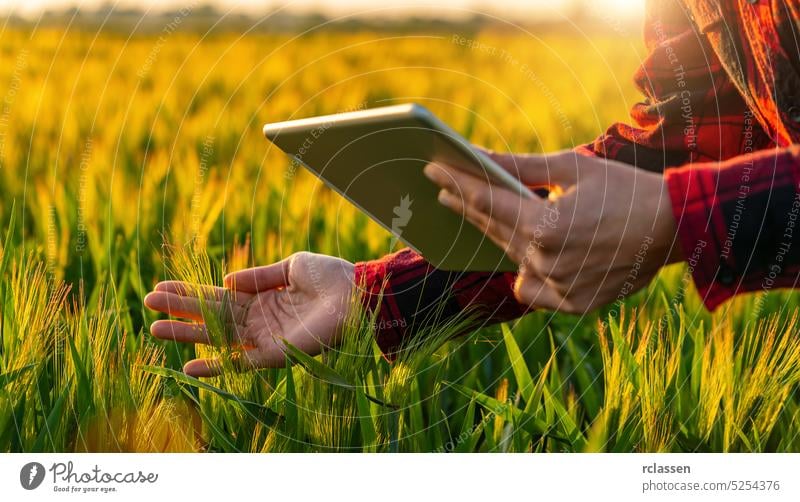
129	160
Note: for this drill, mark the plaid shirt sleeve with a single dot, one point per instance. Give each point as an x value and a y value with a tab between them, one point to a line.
691	111
736	222
408	294
734	196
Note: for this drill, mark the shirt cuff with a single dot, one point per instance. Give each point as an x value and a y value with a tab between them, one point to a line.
691	192
406	295
371	277
731	217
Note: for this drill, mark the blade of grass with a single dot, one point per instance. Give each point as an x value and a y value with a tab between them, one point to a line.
290	403
7	378
471	443
369	436
510	413
584	375
256	410
52	421
568	425
324	372
316	368
538	390
622	346
84	385
5	257
518	365
218	433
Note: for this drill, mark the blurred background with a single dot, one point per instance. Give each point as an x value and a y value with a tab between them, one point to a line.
529	10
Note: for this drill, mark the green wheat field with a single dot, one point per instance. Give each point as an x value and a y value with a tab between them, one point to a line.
127	160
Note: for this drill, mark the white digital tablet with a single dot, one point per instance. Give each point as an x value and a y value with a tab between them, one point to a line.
374	158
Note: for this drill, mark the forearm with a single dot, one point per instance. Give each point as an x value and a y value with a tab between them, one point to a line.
736	222
408	295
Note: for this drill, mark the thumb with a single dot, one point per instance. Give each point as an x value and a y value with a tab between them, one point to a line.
532	169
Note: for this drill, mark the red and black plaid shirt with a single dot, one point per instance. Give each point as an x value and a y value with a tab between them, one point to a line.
721	112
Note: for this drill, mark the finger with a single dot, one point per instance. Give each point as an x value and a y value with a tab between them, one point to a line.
180	331
200	368
508	161
193	308
499	232
480	196
256	279
241	361
183	288
535	292
533	169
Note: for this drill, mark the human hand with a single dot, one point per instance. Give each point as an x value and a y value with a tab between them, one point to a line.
604	237
303	299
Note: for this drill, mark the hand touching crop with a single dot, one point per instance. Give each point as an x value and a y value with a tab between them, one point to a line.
303	299
604	237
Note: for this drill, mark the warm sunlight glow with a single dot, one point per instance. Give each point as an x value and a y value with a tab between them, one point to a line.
531	9
623	7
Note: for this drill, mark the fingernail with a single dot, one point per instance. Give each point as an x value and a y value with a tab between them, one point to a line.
148	299
431	172
445	198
